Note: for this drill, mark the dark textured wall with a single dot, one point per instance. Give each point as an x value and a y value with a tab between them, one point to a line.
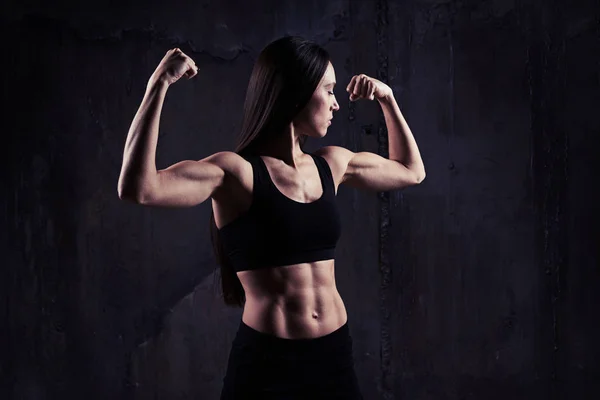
483	282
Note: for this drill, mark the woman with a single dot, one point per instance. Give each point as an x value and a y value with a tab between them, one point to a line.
275	223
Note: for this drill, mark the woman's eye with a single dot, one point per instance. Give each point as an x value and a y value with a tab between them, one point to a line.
330	92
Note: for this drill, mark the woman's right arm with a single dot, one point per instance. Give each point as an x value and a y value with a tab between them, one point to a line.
184	184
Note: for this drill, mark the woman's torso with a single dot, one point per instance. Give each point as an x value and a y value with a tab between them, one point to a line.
293	301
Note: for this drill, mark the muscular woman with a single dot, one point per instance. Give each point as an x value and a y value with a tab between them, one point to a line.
275	223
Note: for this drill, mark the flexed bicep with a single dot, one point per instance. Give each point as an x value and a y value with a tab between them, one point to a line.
189	183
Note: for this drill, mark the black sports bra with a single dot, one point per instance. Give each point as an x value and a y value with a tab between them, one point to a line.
279	231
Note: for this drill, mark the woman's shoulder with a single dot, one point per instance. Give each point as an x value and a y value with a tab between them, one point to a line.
233	165
228	161
238	173
337	157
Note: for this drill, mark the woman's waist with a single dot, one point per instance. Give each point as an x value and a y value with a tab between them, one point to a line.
310	314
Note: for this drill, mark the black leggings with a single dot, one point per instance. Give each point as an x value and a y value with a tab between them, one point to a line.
264	366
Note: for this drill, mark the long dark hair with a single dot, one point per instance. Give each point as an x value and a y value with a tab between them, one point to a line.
283	80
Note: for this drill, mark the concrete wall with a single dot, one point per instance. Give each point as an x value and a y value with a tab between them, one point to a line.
480	283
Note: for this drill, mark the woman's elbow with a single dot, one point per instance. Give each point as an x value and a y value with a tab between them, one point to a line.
129	193
418	175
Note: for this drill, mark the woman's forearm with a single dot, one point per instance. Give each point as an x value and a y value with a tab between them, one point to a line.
138	172
401	142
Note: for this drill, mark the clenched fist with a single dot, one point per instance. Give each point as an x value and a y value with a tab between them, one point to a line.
173	66
364	87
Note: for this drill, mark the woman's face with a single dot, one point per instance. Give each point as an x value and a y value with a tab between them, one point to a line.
315	117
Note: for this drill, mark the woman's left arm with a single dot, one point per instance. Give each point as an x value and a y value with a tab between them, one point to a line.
401	142
366	170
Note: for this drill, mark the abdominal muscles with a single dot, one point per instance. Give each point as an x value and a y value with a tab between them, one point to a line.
293	302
